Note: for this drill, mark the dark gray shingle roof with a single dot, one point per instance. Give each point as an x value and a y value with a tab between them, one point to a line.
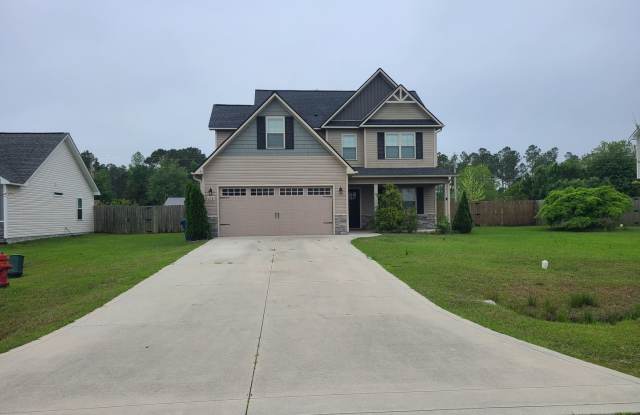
22	153
401	122
314	106
403	171
229	116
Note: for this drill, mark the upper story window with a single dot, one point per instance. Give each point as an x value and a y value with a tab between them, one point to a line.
400	145
349	146
275	132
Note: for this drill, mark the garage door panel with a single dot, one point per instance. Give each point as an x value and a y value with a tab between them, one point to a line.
276	214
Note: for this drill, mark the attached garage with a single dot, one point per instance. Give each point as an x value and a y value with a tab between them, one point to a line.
283	210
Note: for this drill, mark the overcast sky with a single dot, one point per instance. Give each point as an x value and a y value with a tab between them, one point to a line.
134	76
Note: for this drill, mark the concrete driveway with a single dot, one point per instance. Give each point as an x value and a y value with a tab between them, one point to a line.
305	325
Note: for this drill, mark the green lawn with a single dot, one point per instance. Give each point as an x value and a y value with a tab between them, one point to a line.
457	272
65	278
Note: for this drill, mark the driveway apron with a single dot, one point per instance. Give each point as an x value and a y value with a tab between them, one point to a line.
293	325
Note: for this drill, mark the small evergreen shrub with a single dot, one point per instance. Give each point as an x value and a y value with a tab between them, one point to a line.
196	213
443	225
462	221
410	221
581	208
390	214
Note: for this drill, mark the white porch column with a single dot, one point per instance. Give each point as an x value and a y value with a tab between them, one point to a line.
447	201
375	196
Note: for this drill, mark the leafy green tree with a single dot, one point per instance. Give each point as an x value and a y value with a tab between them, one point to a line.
103	181
581	208
477	182
615	162
137	180
462	221
196	214
169	179
189	158
507	166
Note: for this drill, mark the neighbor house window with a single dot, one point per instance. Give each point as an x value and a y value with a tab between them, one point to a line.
275	132
408	197
349	147
79	209
400	145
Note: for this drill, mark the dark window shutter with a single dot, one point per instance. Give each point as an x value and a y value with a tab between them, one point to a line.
420	200
380	146
262	134
288	133
419	145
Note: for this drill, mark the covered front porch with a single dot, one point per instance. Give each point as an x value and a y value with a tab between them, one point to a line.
418	192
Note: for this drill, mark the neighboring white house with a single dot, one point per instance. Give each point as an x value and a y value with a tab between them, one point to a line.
46	190
174	201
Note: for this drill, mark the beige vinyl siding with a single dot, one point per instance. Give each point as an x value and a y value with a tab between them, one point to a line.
398	111
274	170
430	199
428	149
33	210
334	137
221	136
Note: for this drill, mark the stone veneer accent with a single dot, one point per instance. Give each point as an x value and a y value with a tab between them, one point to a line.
341	224
427	221
213	224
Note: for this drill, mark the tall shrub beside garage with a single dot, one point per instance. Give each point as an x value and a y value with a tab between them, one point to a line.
196	213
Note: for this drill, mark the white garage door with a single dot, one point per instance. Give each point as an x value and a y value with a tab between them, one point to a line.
290	210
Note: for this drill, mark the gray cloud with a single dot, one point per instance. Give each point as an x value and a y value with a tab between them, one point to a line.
123	76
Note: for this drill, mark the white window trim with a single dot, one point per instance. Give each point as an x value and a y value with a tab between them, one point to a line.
3	218
355	136
266	132
399	133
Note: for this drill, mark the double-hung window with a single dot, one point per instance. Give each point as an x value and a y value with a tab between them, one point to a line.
400	145
275	132
409	197
349	146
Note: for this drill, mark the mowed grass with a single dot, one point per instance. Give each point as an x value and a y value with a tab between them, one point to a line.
65	278
585	305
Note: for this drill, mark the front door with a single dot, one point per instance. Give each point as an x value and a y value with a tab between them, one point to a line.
354	208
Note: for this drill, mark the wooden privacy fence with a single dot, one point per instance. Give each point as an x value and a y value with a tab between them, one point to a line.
138	219
498	212
520	212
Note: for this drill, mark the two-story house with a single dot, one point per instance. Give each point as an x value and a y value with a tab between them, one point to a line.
312	161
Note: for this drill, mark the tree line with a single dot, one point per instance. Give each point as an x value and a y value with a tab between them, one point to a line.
145	181
507	174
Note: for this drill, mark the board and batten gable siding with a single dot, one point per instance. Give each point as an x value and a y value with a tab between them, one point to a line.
34	210
378	89
241	163
221	136
334	137
400	111
428	148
